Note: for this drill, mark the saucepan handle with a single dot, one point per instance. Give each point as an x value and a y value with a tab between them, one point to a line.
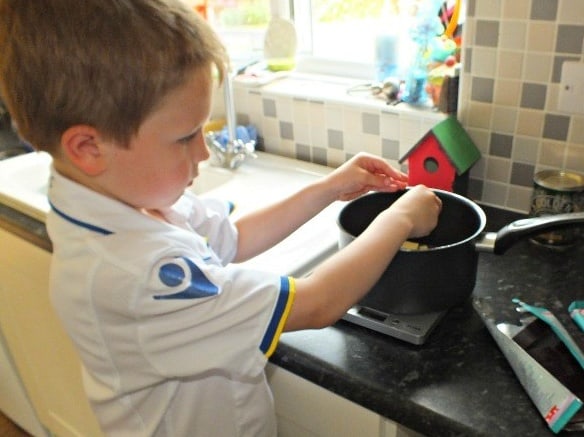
519	229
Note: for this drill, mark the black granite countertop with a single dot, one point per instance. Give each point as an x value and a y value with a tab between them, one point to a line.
456	384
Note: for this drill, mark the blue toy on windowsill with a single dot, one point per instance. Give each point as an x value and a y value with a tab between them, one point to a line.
426	26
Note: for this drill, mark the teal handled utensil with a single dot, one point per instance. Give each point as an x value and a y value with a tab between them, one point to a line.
548	317
576	310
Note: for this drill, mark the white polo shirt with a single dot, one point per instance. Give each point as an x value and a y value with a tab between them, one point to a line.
172	337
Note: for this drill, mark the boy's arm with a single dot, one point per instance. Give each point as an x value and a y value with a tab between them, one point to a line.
260	230
343	279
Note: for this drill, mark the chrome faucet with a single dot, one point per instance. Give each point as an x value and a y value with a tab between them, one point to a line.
235	151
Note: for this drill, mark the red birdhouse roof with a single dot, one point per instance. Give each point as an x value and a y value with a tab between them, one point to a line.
455	142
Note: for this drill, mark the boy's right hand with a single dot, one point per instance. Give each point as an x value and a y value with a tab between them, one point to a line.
421	206
335	285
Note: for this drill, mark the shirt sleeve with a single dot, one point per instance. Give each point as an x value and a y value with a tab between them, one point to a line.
219	229
209	218
205	317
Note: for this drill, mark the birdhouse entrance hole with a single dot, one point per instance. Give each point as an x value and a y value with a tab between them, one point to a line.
431	165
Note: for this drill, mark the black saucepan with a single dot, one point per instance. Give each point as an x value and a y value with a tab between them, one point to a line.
443	274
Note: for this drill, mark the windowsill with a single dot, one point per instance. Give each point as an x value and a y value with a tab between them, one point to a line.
332	90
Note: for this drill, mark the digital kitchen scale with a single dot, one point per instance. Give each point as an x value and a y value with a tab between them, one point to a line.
412	328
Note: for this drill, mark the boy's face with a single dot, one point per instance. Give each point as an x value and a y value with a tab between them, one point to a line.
162	159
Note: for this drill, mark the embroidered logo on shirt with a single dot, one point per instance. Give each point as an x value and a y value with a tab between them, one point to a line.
182	271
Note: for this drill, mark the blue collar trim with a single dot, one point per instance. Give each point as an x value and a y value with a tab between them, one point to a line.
79	222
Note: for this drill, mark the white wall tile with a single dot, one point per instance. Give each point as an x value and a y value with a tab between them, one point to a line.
495	193
498	169
571	12
516	9
484	61
334	116
390	126
489	9
513	35
538	67
519	198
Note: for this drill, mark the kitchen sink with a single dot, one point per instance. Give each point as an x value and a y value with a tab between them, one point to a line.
256	183
24	181
259	182
211	177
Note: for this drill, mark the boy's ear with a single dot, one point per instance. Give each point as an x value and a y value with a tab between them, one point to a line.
83	146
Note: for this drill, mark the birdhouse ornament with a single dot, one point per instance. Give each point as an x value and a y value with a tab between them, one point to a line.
442	158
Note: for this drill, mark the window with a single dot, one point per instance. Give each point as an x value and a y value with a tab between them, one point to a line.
333	35
240	23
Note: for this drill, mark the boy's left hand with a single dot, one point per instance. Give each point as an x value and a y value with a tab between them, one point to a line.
364	173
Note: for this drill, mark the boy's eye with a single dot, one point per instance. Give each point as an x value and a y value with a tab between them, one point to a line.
188	138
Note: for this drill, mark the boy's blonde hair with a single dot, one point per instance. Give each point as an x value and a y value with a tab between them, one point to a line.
104	63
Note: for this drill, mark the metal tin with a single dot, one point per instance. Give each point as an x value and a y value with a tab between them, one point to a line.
557	192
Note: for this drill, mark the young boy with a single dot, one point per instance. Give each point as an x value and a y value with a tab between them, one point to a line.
172	333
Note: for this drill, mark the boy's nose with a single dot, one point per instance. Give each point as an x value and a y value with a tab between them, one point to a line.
200	150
